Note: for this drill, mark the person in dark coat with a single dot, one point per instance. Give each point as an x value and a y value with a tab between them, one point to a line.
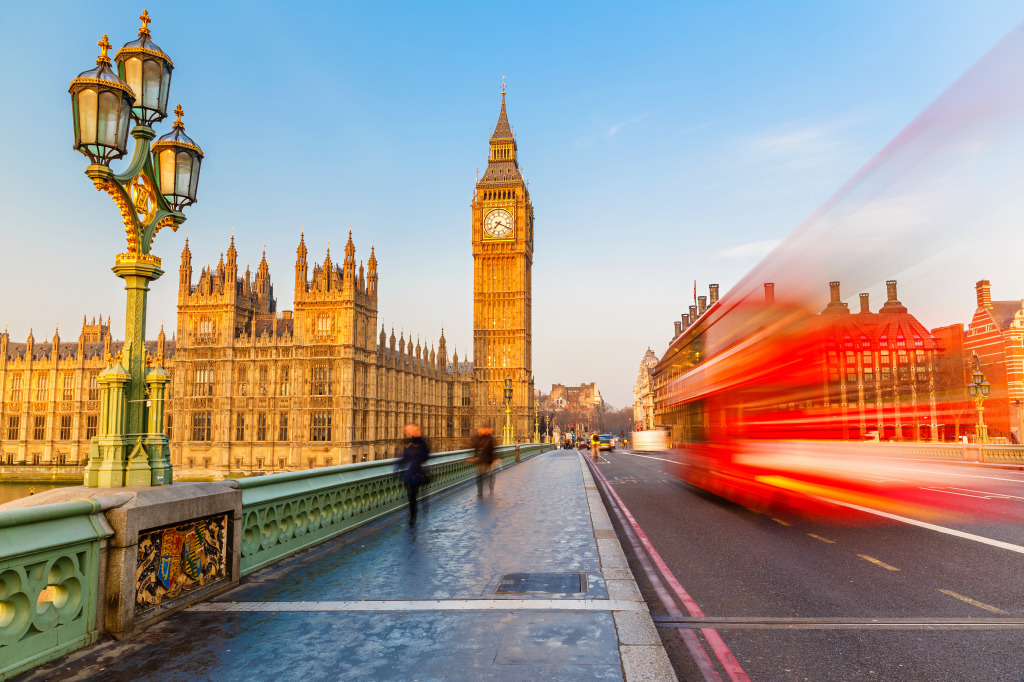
414	474
483	455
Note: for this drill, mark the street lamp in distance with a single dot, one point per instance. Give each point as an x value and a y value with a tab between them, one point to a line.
979	389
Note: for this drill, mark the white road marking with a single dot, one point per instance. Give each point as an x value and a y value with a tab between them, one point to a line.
980	494
930	526
425	605
660	459
953	473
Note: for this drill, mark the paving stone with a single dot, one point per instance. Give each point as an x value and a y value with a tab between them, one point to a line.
646	664
636	627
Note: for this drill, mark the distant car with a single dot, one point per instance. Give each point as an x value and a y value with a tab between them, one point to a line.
607	441
654	440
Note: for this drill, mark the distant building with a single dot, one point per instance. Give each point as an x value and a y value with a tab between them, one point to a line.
643	393
996	335
577	408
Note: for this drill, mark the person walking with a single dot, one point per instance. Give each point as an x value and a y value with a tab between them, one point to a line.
483	455
414	456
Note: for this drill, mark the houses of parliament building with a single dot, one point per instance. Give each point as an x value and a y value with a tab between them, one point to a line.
255	388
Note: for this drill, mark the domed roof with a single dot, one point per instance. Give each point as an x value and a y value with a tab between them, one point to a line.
101	74
143	44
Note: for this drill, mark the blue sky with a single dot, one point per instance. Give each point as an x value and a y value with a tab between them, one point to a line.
664	143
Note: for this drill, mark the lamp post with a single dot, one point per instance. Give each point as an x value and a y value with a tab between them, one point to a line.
536	424
160	181
507	436
979	389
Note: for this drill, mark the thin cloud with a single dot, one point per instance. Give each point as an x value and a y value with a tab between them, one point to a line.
750	250
615	129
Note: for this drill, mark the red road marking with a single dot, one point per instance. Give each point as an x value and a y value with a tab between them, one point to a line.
725	656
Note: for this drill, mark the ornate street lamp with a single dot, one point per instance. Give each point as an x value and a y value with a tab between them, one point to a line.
979	389
129	449
100	106
536	425
508	435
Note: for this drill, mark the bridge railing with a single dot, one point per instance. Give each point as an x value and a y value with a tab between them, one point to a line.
50	580
288	512
55	562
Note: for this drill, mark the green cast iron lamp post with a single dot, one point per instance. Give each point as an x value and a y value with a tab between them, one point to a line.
160	181
508	436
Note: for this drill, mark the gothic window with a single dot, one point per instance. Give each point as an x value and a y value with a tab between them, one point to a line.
239	426
203	385
263	381
261	426
65	427
41	388
322	379
16	387
168	426
243	380
91	425
465	396
282	431
465	427
285	374
69	384
201	426
320	429
323	324
94	386
13	428
39	428
206	329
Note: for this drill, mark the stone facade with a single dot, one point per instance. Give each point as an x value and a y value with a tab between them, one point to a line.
254	388
643	393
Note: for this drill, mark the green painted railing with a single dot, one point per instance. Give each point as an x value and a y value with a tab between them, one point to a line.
49	578
288	512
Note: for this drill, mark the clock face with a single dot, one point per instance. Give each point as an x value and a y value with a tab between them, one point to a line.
498	223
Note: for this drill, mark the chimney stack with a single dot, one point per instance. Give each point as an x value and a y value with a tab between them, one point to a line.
686	321
693	313
984	294
769	293
714	294
890	288
864	308
702	304
833	289
679	329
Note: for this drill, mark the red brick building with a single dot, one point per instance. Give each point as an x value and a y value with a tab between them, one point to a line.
996	335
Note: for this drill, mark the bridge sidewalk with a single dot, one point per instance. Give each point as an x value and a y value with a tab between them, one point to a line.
390	602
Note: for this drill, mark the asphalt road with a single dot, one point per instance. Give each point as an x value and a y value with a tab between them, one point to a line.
855	597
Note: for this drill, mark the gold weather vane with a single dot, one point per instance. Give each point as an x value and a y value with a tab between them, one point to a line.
502	86
104	45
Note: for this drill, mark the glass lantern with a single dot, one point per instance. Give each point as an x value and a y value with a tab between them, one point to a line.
101	104
147	71
177	159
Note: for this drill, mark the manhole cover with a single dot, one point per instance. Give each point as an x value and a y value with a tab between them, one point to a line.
542	583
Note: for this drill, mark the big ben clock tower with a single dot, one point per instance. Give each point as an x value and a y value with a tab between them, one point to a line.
502	288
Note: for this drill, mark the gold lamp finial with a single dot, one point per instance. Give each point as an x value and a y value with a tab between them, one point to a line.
104	46
503	87
179	112
145	22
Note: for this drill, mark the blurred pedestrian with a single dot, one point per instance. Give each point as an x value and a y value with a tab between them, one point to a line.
595	446
414	456
483	455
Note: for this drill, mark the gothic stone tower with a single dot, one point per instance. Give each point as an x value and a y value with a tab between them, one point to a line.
502	287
